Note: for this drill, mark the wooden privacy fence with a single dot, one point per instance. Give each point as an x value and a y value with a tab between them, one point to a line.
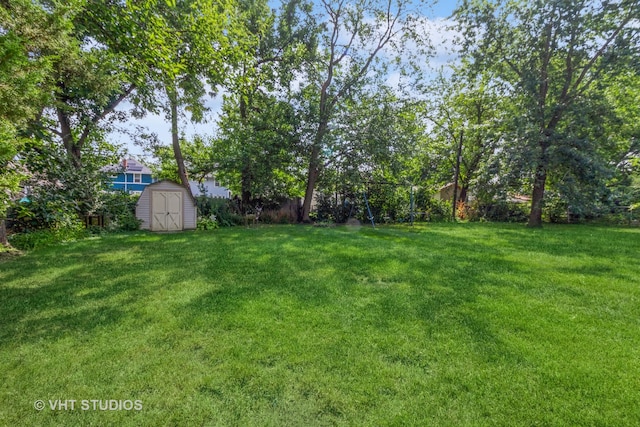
288	212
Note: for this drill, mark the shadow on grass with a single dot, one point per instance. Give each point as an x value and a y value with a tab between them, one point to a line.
80	287
363	281
574	241
356	277
77	288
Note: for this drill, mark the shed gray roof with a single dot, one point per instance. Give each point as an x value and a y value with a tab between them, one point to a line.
169	183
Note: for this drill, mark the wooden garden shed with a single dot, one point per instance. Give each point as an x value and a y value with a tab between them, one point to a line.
166	206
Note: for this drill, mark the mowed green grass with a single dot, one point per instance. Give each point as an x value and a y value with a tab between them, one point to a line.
439	325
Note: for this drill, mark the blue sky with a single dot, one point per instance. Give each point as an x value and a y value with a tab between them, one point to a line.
159	125
444	8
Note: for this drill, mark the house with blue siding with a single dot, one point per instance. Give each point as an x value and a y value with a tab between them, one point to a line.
129	176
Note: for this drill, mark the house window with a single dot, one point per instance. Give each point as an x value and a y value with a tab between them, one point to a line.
137	178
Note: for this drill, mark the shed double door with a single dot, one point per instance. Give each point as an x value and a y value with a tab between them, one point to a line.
166	214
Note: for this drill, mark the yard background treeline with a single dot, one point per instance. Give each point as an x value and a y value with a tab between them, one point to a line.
331	98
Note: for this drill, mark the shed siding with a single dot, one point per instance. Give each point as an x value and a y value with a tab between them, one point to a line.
190	214
143	210
143	207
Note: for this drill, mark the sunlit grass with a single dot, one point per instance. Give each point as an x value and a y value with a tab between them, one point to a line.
468	324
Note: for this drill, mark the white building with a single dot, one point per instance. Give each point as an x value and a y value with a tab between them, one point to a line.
210	187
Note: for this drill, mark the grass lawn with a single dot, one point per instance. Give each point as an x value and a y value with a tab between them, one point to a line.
439	325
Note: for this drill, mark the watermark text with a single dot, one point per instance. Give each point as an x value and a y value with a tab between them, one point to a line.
88	405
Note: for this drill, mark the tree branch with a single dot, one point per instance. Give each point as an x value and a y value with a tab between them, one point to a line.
107	110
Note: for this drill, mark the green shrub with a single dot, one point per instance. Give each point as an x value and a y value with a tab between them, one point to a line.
54	212
501	211
388	203
221	209
207	223
275	217
51	213
120	210
124	222
330	209
267	218
30	240
555	209
434	210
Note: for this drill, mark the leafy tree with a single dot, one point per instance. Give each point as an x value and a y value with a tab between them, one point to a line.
257	153
466	113
374	134
622	94
60	86
374	137
198	155
355	34
551	53
85	81
30	39
258	141
58	191
177	51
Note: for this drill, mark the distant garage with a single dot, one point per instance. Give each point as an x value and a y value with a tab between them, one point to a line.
166	206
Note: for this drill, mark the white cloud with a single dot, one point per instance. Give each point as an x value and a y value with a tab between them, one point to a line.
393	80
442	37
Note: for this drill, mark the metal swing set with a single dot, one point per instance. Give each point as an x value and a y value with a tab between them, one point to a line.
366	202
412	212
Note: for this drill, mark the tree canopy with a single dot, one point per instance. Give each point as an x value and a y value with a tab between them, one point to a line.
552	54
542	98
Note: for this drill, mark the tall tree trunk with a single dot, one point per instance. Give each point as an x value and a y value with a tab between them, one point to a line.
246	175
312	178
3	233
314	165
172	94
314	169
456	175
246	186
464	191
537	198
73	149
